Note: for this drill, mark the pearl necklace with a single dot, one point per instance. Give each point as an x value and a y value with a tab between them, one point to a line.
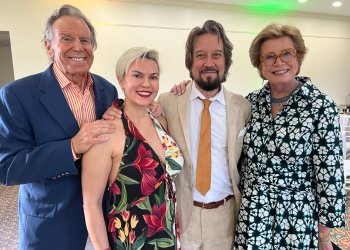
282	100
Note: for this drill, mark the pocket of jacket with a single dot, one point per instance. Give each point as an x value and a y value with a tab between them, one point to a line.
37	209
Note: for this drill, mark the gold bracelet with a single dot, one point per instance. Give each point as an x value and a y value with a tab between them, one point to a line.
324	240
323	235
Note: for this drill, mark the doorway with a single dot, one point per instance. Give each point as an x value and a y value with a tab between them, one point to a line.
6	63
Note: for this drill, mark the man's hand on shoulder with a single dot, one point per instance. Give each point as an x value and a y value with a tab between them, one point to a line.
113	112
180	88
91	134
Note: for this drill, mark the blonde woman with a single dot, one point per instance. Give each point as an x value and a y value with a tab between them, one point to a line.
138	165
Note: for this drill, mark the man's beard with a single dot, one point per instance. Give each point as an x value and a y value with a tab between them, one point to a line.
209	84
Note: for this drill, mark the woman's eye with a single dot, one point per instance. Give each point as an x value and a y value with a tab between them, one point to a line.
286	53
270	57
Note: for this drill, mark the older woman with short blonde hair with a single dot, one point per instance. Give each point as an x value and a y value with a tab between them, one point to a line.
292	166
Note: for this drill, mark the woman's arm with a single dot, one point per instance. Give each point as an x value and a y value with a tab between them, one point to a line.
97	164
324	238
328	167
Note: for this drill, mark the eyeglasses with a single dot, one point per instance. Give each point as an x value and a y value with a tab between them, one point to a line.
285	55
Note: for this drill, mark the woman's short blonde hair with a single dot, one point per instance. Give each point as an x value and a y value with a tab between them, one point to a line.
133	54
274	31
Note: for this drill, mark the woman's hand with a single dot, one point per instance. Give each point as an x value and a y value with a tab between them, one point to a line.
324	238
326	245
156	109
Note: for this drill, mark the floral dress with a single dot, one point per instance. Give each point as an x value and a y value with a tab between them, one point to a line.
291	173
142	197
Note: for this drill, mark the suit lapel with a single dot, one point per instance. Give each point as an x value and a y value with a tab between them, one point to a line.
54	101
183	103
232	114
100	97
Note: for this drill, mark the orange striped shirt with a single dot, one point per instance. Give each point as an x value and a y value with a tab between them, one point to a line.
82	104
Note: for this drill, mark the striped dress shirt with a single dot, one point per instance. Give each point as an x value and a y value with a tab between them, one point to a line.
82	104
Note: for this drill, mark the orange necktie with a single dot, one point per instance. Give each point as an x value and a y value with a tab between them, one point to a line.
203	178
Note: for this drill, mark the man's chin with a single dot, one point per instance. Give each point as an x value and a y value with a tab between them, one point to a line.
208	85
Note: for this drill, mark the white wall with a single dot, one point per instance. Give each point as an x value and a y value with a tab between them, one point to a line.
165	26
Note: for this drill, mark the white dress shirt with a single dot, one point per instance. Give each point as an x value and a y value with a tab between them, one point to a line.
221	185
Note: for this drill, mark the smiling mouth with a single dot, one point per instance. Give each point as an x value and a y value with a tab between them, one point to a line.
280	72
144	93
209	71
78	59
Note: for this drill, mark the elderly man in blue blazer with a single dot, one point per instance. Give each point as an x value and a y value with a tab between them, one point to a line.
47	121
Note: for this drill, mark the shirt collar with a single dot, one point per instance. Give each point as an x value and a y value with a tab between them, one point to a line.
64	81
195	93
304	90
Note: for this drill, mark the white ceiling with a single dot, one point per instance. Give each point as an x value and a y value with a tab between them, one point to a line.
311	6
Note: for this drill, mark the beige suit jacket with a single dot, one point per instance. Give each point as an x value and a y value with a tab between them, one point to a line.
176	110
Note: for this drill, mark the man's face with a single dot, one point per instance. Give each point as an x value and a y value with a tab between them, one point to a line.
71	48
208	62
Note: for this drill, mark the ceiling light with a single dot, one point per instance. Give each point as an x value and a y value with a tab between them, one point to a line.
337	4
302	1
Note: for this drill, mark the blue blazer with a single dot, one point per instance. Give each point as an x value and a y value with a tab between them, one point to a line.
36	127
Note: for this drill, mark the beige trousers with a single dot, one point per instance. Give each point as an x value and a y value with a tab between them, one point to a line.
210	229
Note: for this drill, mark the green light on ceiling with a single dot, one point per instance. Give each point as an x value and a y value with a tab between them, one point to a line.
270	7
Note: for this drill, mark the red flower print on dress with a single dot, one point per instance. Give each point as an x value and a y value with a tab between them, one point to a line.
112	226
132	237
138	201
156	220
114	188
125	214
146	165
134	131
